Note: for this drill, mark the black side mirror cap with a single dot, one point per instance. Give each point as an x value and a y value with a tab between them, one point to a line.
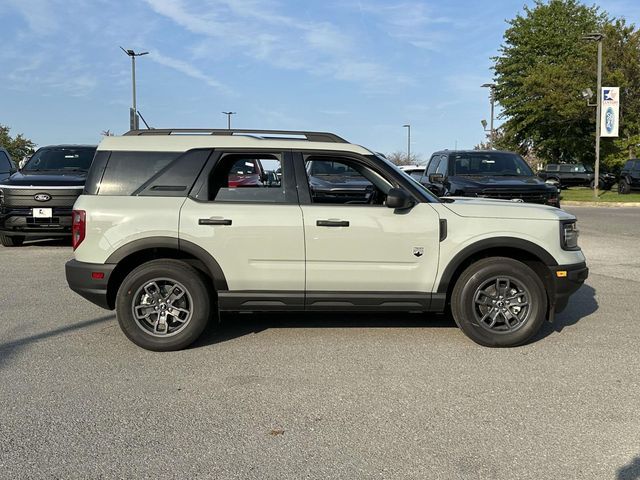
436	178
398	199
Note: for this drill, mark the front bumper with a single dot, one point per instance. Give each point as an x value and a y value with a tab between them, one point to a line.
567	280
20	221
82	280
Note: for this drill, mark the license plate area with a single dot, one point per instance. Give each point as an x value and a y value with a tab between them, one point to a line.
42	213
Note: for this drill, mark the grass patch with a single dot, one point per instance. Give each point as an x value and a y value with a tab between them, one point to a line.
578	194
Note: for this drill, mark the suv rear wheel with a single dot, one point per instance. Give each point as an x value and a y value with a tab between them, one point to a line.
163	305
11	241
499	302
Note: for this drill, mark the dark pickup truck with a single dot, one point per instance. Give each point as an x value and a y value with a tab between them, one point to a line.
488	174
575	175
37	201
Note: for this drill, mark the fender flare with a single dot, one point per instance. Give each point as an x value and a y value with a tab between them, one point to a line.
173	243
487	244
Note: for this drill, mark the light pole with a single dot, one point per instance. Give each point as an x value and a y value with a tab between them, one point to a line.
408	127
492	97
133	112
228	114
597	37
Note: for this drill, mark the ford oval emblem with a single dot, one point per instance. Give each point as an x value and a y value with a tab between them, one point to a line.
42	197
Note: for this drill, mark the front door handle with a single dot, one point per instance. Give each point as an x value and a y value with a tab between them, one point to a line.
214	221
332	223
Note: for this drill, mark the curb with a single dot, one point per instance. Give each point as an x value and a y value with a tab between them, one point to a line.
574	203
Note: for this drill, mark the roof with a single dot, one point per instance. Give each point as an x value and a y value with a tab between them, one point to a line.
172	140
470	151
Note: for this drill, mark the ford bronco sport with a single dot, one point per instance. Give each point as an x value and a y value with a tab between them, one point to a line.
168	234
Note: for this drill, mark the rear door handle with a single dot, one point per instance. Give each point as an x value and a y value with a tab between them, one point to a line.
332	223
214	221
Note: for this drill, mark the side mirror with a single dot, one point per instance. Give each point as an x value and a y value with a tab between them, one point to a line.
398	199
436	178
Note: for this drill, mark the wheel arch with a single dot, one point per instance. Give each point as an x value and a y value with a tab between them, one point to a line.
534	256
135	253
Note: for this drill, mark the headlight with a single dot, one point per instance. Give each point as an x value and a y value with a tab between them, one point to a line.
569	235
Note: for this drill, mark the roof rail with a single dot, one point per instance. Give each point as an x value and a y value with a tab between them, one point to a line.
264	134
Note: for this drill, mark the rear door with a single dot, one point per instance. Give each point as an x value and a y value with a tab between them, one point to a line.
244	212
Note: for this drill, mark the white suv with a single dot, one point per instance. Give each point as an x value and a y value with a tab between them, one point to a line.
175	226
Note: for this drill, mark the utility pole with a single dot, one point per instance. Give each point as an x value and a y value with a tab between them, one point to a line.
492	98
133	111
408	127
597	37
228	114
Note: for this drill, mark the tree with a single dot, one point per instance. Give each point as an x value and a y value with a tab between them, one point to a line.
542	67
400	158
18	146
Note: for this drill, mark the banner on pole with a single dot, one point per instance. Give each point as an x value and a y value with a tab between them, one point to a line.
610	111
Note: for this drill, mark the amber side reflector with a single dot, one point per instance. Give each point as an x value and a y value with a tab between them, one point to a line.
561	273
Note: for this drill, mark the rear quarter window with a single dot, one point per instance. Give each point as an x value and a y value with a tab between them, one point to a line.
126	172
5	163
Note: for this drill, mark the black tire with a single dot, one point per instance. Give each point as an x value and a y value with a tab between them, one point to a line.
195	299
11	241
623	187
467	312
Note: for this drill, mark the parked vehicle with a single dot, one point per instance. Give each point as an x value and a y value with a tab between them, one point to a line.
567	175
629	177
162	235
6	165
414	171
487	174
37	201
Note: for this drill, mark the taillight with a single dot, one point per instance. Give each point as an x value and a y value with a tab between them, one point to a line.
78	227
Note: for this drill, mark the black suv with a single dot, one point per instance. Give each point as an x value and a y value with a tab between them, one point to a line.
486	173
629	177
6	165
575	175
37	201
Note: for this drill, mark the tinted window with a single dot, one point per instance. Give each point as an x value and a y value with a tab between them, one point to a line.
336	180
490	163
177	178
552	168
61	158
443	165
566	168
637	166
5	163
628	165
126	172
92	184
433	164
248	177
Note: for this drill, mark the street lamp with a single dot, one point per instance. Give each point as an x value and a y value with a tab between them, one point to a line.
408	127
597	37
492	97
228	114
133	112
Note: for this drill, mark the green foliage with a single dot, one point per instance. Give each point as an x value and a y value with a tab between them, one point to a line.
18	146
543	66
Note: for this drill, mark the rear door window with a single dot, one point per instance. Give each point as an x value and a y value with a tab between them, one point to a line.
566	168
552	168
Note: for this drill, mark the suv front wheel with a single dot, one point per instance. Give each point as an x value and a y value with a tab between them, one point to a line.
163	305
499	302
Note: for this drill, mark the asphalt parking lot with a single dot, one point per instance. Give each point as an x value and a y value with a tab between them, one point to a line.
334	396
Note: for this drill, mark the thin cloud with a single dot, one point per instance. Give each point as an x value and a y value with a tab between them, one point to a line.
187	69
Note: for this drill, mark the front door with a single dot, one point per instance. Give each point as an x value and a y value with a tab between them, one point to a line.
355	244
246	216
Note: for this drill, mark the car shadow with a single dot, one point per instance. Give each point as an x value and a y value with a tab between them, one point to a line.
48	242
235	325
581	304
630	471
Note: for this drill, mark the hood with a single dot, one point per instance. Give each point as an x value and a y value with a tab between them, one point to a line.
46	179
500	182
489	208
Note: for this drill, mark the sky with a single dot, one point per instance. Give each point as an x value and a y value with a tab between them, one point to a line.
361	69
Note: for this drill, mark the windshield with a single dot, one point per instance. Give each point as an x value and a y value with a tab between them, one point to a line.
427	193
61	158
490	163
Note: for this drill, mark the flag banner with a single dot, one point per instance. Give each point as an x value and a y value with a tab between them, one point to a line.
610	111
